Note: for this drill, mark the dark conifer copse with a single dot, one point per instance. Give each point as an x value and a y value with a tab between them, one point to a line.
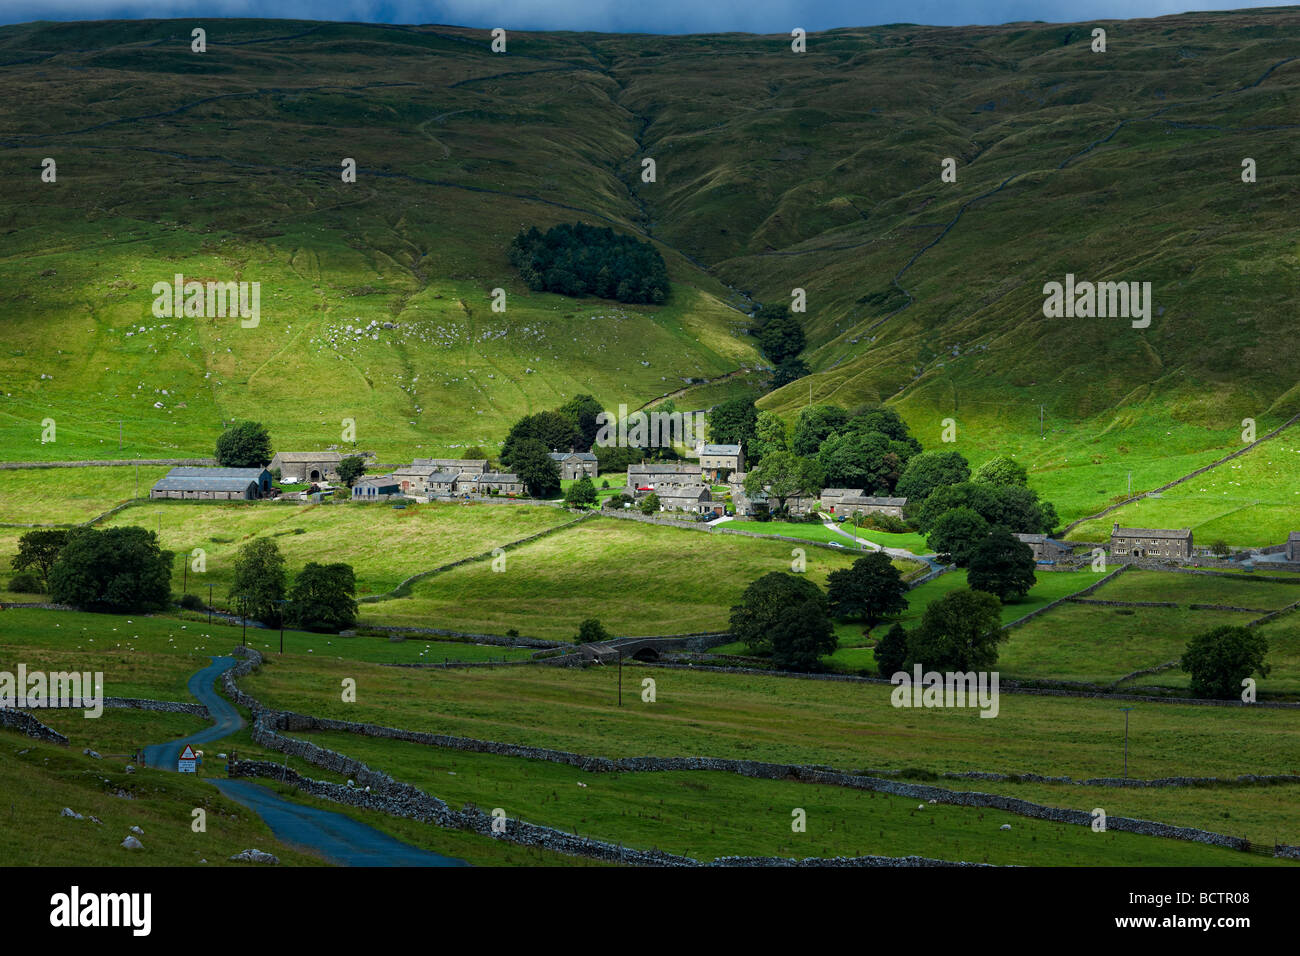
589	260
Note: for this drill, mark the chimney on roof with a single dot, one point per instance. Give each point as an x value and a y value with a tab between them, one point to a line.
1114	529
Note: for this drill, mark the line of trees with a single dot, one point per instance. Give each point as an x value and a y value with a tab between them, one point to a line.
124	570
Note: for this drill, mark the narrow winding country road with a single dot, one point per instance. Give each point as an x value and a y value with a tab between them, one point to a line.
337	838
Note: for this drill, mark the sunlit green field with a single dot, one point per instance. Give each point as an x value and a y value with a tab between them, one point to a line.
1251	501
384	545
636	578
70	495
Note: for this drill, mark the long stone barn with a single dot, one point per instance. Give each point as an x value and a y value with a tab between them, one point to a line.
214	484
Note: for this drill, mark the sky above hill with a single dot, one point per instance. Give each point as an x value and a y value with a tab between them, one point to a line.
619	16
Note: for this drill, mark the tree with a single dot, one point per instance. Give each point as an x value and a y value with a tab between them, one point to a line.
119	570
322	597
733	422
577	259
350	469
770	434
1219	660
555	430
259	580
532	462
781	338
1014	507
883	419
891	651
957	533
591	631
650	504
1000	470
38	551
870	589
763	603
244	445
859	460
801	634
930	470
789	370
1220	548
582	411
783	475
958	632
1002	564
814	425
581	492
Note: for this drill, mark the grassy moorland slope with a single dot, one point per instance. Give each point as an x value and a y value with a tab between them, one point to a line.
775	170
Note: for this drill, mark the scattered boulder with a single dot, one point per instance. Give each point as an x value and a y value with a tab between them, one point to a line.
131	843
1005	826
90	753
69	812
137	831
130	768
254	856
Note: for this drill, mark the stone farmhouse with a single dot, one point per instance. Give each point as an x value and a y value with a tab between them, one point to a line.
376	486
306	466
869	504
501	483
1046	551
414	479
575	464
695	498
830	497
718	461
1150	542
214	484
661	476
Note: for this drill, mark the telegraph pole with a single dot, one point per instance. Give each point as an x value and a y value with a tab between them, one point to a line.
1040	421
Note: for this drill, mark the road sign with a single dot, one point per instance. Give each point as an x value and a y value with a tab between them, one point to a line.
188	760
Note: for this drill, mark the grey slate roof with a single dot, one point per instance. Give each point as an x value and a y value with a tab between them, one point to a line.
443	476
716	450
462	464
195	478
493	477
580	455
1043	540
871	500
1119	532
308	456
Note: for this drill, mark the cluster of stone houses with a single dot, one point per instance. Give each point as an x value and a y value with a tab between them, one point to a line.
679	487
423	478
439	478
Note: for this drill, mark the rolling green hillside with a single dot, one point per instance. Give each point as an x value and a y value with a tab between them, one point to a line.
774	170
